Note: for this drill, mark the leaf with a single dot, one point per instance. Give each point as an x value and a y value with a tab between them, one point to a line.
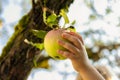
37	45
73	22
39	33
64	15
52	20
71	28
43	64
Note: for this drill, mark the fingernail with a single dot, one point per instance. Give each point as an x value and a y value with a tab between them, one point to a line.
72	33
59	51
60	42
64	35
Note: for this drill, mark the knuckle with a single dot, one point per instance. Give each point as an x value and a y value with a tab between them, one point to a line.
74	39
67	45
65	53
77	50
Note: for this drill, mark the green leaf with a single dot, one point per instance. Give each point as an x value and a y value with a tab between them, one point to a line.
71	28
64	15
39	33
37	45
73	22
42	64
52	20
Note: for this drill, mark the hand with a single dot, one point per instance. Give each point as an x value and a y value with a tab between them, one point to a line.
76	51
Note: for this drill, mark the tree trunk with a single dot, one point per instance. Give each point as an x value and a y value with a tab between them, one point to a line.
17	57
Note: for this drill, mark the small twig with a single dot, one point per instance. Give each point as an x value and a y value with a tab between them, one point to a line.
47	9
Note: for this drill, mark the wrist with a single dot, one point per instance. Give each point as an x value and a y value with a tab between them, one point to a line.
85	67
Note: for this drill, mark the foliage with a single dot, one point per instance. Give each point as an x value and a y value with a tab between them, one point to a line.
39	33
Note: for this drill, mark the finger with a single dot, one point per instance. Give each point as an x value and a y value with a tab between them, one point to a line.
75	40
77	35
69	46
66	54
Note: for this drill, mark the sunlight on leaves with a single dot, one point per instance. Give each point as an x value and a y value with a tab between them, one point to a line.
39	33
64	15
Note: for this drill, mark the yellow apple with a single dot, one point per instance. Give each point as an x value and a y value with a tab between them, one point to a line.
51	43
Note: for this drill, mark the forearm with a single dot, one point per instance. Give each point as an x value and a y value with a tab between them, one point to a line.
76	52
90	73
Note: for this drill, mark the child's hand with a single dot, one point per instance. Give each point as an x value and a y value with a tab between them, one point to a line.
76	51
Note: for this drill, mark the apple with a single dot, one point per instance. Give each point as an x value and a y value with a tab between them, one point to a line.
51	43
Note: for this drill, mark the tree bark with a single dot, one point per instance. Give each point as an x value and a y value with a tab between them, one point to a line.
17	57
